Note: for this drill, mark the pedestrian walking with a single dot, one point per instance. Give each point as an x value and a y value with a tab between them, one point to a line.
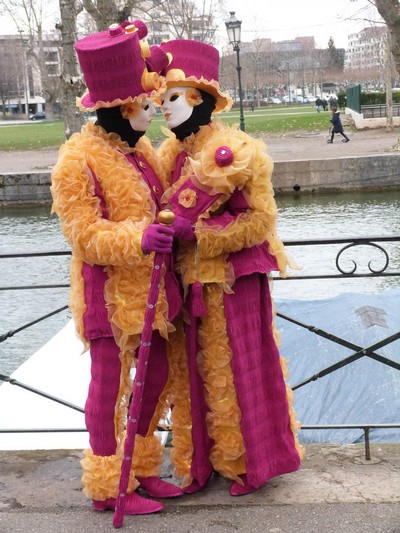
337	126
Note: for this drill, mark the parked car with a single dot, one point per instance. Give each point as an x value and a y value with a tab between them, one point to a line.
38	116
288	99
275	100
311	99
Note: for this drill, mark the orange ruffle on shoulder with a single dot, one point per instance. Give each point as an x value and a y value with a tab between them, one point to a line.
250	171
224	179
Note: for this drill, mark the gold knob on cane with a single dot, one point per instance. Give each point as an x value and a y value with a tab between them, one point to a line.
166	217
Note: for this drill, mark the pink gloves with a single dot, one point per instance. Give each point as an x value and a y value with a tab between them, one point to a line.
157	238
183	229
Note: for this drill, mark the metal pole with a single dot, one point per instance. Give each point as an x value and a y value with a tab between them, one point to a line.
236	48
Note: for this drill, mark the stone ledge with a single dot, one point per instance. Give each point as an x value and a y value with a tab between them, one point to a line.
377	172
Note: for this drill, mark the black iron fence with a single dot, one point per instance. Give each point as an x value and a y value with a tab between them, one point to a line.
387	264
379	110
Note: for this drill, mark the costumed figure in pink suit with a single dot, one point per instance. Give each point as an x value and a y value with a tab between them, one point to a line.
242	424
107	187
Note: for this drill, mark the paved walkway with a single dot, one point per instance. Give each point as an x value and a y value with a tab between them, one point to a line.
285	147
335	491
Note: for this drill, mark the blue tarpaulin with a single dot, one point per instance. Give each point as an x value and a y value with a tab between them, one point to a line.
364	391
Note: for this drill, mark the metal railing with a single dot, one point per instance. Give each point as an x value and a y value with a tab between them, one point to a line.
386	268
378	110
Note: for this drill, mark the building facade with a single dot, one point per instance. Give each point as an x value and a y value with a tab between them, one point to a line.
366	49
28	72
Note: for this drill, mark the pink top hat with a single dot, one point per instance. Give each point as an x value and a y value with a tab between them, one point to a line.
114	66
195	64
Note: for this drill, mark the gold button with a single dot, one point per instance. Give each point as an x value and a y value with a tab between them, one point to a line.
141	164
155	189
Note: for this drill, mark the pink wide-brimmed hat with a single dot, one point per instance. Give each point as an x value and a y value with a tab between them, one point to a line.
195	64
117	67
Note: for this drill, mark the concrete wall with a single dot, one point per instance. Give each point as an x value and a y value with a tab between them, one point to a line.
349	173
316	175
362	123
24	189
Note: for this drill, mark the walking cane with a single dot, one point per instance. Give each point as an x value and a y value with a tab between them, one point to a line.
167	218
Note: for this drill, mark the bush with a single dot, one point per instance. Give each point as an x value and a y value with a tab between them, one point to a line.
378	98
341	99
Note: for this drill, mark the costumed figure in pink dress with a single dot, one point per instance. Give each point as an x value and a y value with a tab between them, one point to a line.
242	424
107	187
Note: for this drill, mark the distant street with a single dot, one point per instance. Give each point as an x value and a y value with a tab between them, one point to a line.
17	122
289	146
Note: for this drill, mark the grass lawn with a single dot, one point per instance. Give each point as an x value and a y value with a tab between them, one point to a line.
31	136
264	120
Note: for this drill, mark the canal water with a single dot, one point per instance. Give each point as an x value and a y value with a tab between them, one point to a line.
300	218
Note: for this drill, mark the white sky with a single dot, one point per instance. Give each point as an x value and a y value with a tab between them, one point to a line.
287	19
277	19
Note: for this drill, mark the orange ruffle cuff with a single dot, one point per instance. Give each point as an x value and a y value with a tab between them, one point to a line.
100	476
148	456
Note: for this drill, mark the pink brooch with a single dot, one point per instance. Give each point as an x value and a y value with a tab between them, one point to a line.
188	198
223	156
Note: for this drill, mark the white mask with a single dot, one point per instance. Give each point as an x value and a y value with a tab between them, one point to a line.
176	105
140	115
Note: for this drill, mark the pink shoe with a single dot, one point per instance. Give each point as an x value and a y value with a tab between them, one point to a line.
157	488
195	486
236	489
134	504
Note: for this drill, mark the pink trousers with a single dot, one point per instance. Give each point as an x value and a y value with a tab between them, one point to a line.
104	387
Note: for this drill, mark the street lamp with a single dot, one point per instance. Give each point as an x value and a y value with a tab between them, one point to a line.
233	26
288	78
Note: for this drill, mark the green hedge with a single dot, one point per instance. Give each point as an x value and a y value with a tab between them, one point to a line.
341	98
378	98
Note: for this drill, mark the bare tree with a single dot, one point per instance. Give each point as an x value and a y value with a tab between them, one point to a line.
28	17
11	74
259	49
187	19
389	10
71	80
107	12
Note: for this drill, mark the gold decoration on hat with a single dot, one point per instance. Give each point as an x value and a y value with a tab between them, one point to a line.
144	49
